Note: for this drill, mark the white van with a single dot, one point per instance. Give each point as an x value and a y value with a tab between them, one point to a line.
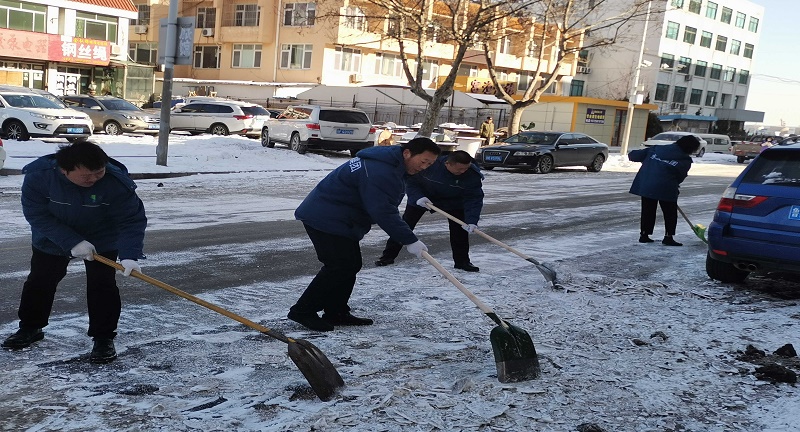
717	143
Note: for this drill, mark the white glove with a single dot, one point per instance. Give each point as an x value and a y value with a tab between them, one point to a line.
417	248
83	250
470	228
130	265
423	202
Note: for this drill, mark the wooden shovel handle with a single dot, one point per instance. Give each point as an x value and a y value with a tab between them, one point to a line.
197	300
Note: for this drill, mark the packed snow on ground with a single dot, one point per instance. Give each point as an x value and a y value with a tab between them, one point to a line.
621	348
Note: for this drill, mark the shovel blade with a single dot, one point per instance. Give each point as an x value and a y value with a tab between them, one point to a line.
514	354
318	370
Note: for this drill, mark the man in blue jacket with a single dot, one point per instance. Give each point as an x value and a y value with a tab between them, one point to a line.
454	184
337	214
78	201
664	168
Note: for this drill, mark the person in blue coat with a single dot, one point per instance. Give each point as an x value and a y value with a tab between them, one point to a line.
454	184
664	167
340	210
78	202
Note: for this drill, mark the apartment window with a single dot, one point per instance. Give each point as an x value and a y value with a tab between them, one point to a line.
730	72
206	17
246	56
672	30
722	42
735	46
143	17
94	26
685	65
716	71
723	100
296	56
576	88
393	29
700	68
711	10
727	13
206	56
711	98
347	59
677	3
696	97
467	70
753	25
388	65
143	52
22	16
524	81
505	45
430	70
695	5
662	91
679	95
743	76
354	18
705	39
689	34
748	50
299	14
667	60
739	20
246	15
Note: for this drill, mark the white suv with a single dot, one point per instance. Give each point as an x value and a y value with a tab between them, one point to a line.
312	126
219	117
25	115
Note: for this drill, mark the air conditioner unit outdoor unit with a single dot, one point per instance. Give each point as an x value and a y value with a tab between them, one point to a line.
208	32
678	106
687	77
355	78
116	49
584	69
140	29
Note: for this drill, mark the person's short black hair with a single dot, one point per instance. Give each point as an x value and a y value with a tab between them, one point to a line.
688	143
420	145
85	154
460	157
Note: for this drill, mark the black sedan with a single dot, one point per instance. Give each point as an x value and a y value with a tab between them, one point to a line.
543	151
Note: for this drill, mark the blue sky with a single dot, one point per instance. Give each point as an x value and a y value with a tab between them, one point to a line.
775	85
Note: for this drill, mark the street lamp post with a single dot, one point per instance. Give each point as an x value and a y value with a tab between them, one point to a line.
632	97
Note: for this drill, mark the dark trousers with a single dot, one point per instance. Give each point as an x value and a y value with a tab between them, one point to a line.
331	288
102	293
648	220
459	238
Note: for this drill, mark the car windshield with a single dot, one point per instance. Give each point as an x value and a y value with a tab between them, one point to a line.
776	168
30	101
255	110
532	138
119	105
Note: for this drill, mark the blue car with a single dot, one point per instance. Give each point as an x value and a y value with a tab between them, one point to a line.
756	227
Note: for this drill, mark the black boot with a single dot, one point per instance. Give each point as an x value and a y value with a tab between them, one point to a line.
103	351
645	238
467	266
345	319
381	262
23	338
310	320
668	241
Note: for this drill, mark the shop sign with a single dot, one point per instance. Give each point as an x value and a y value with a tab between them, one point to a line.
485	86
595	115
80	50
24	45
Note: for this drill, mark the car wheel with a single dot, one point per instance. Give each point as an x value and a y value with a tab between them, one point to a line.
724	272
296	145
701	152
265	142
15	130
112	128
545	164
740	159
218	129
597	164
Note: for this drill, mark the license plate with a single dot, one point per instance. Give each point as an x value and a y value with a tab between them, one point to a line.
153	126
492	158
794	213
344	131
74	130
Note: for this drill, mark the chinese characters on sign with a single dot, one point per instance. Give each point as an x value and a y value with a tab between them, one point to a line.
595	115
28	45
80	50
44	46
485	86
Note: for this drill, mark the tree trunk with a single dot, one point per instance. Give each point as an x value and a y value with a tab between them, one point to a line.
431	117
514	118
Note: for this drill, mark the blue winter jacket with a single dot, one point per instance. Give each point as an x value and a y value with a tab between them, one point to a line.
664	167
448	191
107	214
364	190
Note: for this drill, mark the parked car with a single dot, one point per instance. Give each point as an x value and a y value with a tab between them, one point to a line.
716	143
312	126
40	92
2	155
665	138
219	117
756	227
543	151
113	115
25	114
749	149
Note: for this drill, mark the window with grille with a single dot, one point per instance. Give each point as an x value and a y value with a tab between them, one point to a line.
143	17
354	18
246	15
296	56
23	16
95	26
347	59
299	14
689	34
246	56
206	17
206	56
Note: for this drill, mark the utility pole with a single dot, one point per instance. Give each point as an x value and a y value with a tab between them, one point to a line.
166	90
632	97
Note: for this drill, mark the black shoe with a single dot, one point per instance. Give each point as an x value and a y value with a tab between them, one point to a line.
23	338
645	238
668	241
103	351
346	319
310	320
383	262
467	267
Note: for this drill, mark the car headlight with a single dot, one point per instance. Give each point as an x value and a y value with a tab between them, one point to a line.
130	117
525	153
44	116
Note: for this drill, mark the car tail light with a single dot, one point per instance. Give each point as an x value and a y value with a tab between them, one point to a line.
314	126
372	130
731	199
1	143
243	117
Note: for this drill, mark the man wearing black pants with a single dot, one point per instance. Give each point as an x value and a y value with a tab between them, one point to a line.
454	184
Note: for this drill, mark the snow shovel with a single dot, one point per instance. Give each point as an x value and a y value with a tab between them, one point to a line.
514	354
548	273
699	230
315	366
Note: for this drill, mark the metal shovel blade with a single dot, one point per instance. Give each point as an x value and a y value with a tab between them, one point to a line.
318	370
514	354
546	271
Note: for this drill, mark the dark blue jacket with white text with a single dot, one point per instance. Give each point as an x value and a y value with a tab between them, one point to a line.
363	191
448	191
664	167
107	214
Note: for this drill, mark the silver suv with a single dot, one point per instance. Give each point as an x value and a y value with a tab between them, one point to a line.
312	126
218	117
113	115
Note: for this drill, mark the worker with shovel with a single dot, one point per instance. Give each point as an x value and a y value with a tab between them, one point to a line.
337	214
78	202
453	183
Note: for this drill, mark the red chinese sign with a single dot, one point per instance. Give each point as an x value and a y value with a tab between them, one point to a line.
25	45
43	46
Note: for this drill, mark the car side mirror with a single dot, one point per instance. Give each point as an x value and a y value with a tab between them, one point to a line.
96	108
